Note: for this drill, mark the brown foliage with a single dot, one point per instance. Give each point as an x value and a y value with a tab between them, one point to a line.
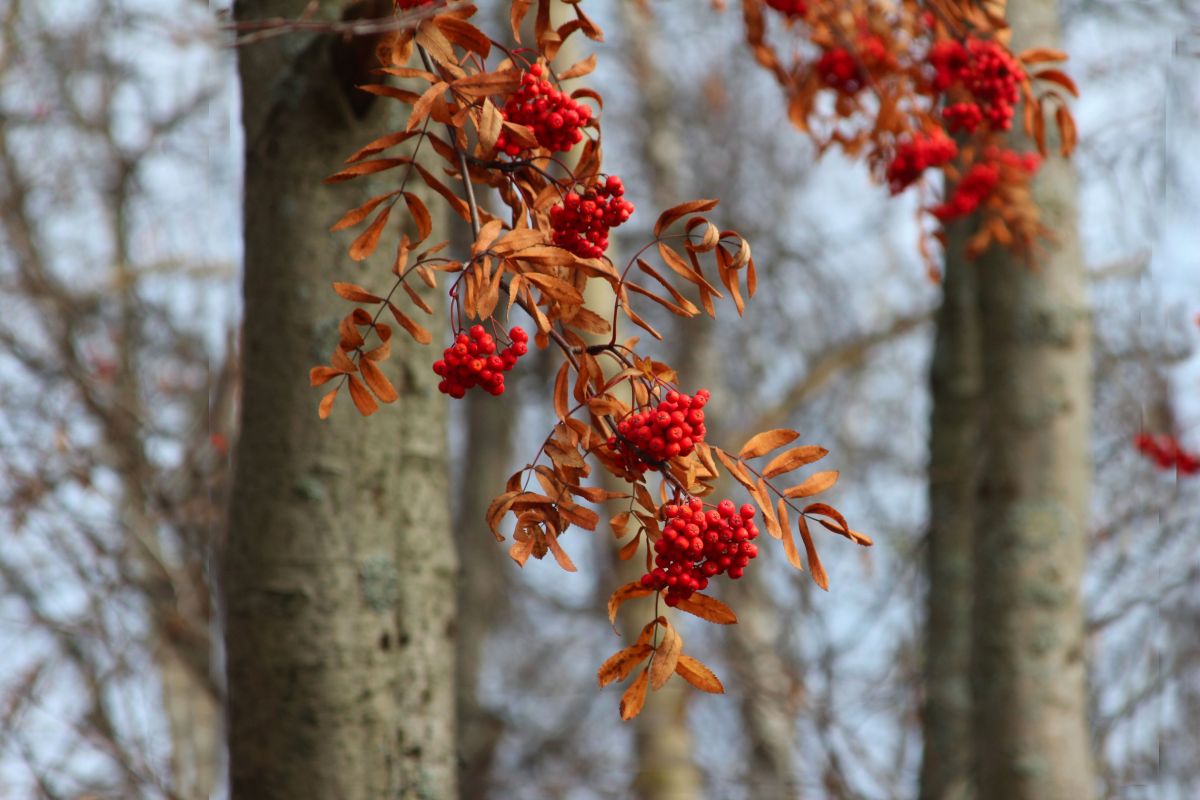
879	68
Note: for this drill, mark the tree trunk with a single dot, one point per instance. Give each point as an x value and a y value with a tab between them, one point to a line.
953	479
484	582
662	738
770	688
339	574
1030	712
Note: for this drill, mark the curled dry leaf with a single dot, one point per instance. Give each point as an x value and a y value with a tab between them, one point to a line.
676	213
666	657
1057	76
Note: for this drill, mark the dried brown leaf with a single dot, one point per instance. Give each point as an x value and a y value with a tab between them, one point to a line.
318	376
793	459
709	608
1057	76
363	400
416	331
377	381
635	697
560	555
698	675
814	562
355	293
368	240
675	213
789	544
629	591
366	168
735	468
356	215
814	484
763	443
327	404
666	657
420	215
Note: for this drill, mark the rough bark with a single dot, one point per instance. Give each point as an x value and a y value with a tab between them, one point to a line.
1028	652
339	574
954	433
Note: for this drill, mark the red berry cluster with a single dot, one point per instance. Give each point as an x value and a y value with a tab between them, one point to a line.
988	72
840	70
916	155
981	180
648	438
950	61
581	222
847	72
962	117
1166	453
554	116
697	545
790	8
472	361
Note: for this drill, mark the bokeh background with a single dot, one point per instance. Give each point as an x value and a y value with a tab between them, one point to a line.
120	303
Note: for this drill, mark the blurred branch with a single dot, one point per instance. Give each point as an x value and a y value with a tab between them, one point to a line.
255	31
828	364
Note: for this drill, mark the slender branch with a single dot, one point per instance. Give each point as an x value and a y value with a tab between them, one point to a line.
259	30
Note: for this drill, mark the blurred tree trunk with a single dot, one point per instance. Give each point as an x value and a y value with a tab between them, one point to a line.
483	584
1030	710
953	479
663	740
339	574
769	688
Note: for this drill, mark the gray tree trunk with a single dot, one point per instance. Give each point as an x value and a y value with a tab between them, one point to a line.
1031	738
339	573
484	581
953	479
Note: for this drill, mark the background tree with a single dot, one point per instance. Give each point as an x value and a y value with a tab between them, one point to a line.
118	376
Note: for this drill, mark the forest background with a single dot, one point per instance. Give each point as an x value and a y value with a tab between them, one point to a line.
122	149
